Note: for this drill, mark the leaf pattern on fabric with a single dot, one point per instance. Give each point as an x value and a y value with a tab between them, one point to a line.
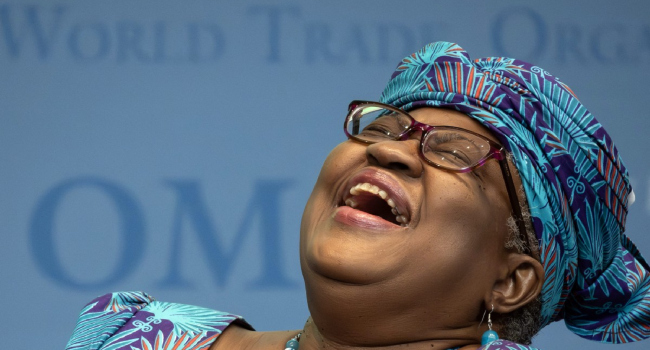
135	320
189	319
172	342
123	300
501	344
99	320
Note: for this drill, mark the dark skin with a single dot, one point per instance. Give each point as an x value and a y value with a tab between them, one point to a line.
371	284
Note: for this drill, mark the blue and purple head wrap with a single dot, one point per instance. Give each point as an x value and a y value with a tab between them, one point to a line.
576	184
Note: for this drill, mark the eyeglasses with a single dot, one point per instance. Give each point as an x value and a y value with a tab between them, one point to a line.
446	147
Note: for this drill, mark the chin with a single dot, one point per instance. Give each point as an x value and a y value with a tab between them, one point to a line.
328	261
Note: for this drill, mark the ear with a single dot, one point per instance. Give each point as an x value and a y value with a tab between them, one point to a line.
519	285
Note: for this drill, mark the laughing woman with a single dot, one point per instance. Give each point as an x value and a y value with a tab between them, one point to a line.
478	202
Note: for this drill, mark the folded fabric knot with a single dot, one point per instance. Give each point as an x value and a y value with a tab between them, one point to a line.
576	184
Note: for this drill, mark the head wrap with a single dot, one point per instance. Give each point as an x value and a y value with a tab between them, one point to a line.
576	184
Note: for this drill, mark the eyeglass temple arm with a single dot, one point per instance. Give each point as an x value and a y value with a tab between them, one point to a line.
514	202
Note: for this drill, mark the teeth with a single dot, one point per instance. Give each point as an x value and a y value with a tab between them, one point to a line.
366	187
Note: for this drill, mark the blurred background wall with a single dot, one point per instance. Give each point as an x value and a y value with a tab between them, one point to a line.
170	146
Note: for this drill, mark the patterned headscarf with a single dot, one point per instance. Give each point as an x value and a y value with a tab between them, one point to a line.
576	184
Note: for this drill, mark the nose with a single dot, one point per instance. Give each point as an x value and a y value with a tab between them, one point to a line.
402	156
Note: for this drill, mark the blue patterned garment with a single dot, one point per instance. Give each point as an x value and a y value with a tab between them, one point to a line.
136	321
577	186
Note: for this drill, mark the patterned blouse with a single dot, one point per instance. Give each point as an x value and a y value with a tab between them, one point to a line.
136	321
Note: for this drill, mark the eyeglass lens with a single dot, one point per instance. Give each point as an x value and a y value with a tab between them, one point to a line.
448	147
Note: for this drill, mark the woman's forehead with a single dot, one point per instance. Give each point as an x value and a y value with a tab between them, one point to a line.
448	117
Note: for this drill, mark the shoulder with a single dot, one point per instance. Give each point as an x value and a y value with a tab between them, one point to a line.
135	320
502	344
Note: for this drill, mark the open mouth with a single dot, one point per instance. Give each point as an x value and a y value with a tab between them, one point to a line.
373	200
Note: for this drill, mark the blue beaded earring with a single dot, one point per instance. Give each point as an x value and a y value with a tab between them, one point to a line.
489	335
293	343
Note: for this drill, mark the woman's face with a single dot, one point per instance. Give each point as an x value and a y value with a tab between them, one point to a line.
436	254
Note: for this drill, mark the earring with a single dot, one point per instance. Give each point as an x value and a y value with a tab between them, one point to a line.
489	335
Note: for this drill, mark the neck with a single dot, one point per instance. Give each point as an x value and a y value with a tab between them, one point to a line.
364	317
313	338
235	337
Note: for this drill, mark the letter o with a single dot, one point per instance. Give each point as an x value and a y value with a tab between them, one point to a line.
101	33
42	243
535	18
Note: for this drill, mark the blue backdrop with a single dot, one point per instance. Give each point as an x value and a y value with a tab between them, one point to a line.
170	146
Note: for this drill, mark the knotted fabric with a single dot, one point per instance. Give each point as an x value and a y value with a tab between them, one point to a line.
576	184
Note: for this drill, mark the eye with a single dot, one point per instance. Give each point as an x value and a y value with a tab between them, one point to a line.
374	123
377	130
454	155
386	127
453	149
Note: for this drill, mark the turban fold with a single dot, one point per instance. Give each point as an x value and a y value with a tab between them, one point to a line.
576	184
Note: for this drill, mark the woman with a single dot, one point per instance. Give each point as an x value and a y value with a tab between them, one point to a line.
477	203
